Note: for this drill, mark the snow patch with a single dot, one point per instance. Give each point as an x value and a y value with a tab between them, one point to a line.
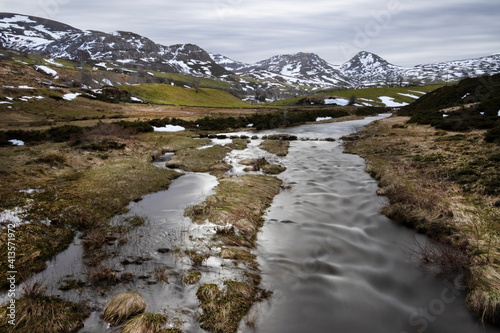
169	128
48	71
16	142
409	95
389	102
70	97
323	118
338	101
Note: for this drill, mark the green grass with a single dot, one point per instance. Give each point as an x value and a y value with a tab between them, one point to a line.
172	95
370	94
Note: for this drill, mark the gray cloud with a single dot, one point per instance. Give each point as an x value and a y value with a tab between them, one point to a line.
405	32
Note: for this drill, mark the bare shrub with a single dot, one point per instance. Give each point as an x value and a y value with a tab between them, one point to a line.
446	258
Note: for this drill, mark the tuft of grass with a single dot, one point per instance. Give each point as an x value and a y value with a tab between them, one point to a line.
277	147
192	277
224	309
144	323
123	306
37	313
201	160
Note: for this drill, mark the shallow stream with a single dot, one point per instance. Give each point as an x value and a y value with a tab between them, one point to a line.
333	262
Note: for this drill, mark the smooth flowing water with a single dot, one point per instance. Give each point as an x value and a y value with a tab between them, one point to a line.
335	264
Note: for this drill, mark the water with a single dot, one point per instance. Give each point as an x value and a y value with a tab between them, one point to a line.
335	264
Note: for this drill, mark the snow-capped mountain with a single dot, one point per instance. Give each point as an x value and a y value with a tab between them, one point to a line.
56	40
368	69
278	75
306	69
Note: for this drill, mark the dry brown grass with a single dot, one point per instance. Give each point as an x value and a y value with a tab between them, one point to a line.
277	147
144	323
37	313
122	307
223	309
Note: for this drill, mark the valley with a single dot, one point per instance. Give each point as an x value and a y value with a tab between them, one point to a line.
220	196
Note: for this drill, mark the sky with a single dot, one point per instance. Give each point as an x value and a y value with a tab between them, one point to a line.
404	32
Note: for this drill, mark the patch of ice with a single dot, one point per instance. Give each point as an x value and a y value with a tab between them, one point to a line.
70	97
17	142
250	125
5	102
135	99
25	87
323	118
169	128
389	102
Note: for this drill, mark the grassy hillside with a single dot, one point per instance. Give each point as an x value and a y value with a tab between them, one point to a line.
173	95
369	96
471	104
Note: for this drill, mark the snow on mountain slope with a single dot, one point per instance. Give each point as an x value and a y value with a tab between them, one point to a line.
299	69
56	40
25	33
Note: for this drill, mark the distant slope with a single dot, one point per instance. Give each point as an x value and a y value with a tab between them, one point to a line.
473	103
382	97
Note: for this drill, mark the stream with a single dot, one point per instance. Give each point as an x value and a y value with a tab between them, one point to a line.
333	262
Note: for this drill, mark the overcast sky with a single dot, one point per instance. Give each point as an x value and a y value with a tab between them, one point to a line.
404	32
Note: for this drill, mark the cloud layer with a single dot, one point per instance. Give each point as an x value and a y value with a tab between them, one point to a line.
405	32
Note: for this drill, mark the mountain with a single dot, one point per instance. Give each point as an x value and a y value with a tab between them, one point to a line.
365	69
277	77
30	34
368	69
306	69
